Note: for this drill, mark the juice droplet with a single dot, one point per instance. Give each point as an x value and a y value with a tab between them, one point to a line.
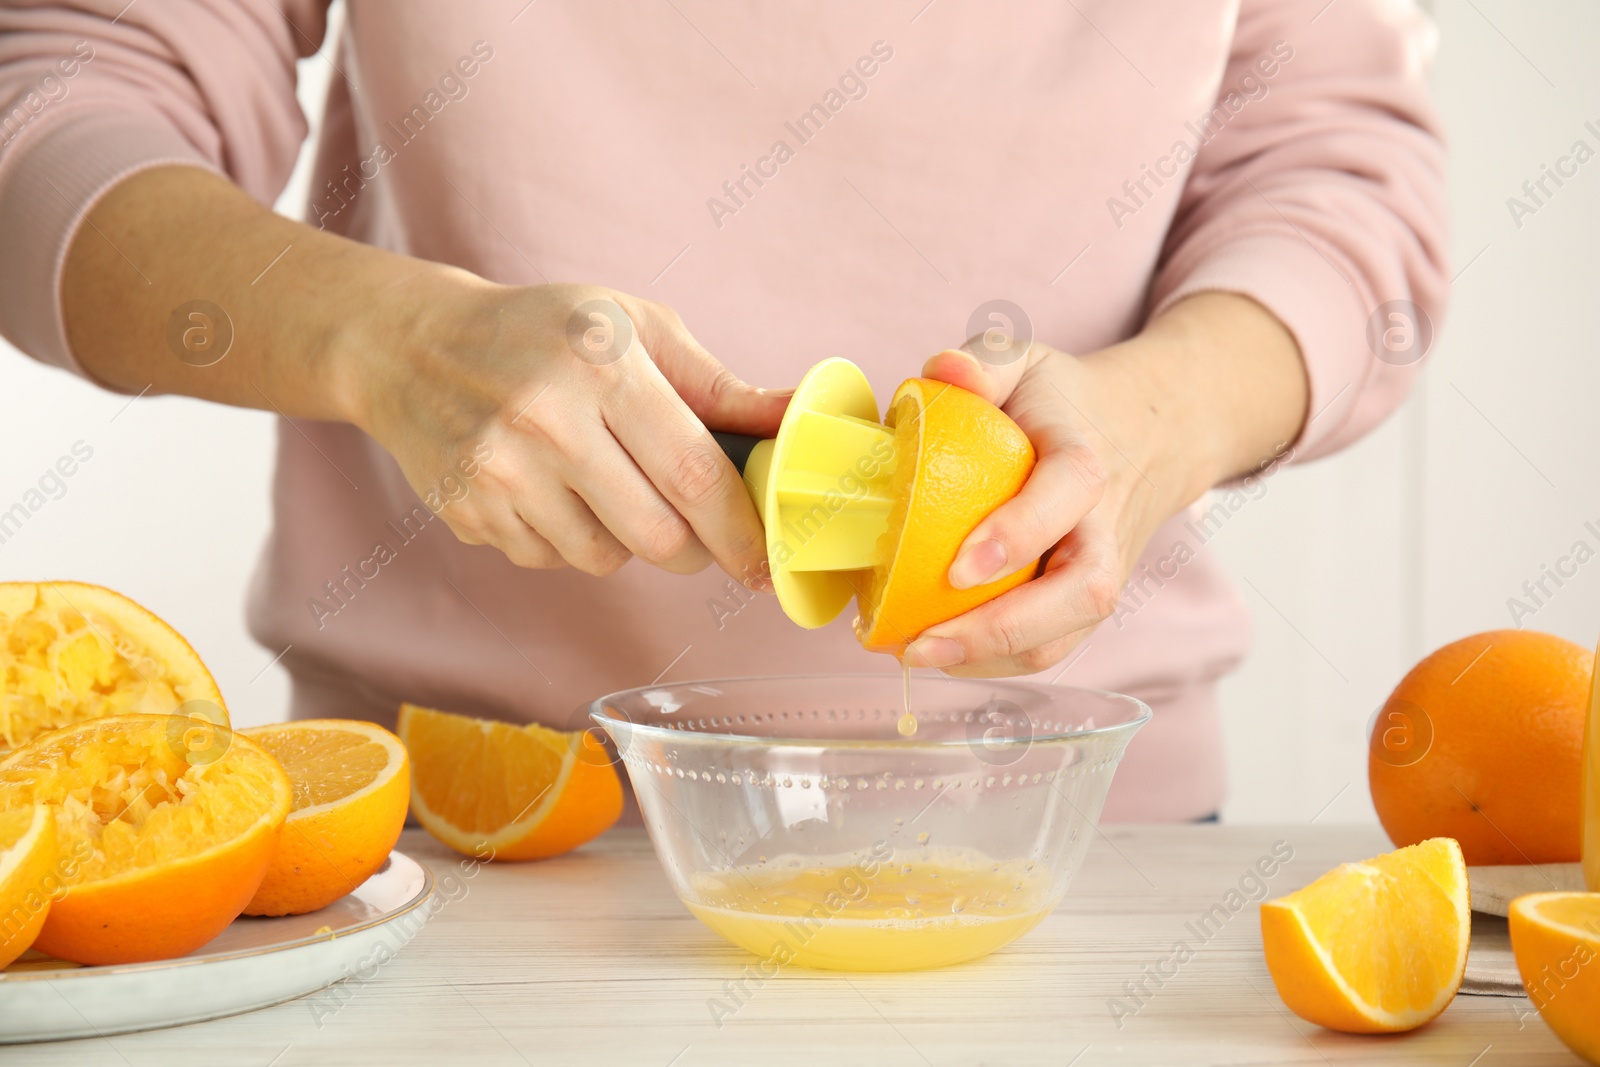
922	838
908	722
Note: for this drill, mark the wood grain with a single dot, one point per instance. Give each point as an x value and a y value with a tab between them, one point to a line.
590	959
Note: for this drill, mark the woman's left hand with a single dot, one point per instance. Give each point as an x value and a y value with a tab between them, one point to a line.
1126	437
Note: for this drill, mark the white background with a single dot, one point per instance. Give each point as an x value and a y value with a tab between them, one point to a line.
1355	566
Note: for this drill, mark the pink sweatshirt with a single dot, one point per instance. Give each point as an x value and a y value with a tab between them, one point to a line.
799	180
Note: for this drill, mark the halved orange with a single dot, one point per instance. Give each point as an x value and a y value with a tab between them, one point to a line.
958	457
70	652
1556	940
27	854
164	833
352	782
1376	946
497	791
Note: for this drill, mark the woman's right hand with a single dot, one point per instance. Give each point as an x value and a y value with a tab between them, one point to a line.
592	407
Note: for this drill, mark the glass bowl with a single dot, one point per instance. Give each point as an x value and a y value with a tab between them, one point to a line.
794	818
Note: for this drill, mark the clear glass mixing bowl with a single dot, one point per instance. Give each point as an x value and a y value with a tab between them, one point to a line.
793	817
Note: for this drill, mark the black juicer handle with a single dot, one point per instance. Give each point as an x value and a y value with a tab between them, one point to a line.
737	447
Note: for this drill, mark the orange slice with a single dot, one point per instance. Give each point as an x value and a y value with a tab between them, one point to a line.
497	791
958	457
164	834
71	652
1376	946
27	854
1556	940
352	783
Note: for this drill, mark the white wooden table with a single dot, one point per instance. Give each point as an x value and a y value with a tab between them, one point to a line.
590	959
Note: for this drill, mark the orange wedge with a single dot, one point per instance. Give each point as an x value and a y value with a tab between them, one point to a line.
497	791
71	652
1373	947
352	782
164	835
1556	940
27	854
958	457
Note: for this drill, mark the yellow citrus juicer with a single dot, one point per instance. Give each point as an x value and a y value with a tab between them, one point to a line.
822	488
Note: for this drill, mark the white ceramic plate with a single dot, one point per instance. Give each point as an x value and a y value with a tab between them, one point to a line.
251	964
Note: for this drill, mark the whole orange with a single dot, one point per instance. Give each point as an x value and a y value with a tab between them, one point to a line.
1483	742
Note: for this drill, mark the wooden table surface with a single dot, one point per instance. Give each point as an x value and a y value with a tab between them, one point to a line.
590	959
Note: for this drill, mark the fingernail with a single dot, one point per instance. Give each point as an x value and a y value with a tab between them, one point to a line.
981	563
936	652
760	584
776	394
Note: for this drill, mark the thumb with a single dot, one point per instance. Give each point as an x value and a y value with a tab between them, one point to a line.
718	397
991	379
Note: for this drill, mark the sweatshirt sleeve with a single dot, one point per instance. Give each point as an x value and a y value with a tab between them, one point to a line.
1319	192
92	91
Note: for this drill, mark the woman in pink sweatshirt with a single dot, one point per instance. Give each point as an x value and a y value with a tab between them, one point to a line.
1201	214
